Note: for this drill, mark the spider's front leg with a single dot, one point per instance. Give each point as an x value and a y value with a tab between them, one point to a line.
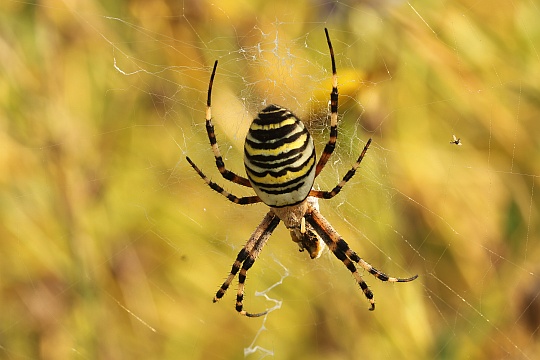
343	252
245	259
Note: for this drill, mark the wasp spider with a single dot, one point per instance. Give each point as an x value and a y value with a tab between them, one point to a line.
281	166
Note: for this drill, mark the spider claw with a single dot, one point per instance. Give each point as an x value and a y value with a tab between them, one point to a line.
372	306
245	313
408	279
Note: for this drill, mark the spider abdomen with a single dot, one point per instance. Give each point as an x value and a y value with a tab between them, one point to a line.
279	157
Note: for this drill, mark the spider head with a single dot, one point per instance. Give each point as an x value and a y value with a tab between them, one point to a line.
308	240
305	236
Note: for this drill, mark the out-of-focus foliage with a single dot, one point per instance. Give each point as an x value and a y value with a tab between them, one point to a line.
111	246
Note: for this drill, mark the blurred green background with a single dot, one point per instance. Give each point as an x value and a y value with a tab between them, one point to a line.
112	247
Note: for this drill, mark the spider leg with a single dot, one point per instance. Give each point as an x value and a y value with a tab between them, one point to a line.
227	174
235	199
245	259
330	146
347	177
342	251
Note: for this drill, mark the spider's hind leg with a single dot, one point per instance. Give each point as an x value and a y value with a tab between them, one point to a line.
227	174
245	200
348	176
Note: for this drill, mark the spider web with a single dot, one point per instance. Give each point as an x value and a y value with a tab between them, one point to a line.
110	232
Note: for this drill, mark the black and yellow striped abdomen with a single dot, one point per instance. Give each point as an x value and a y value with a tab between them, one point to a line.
279	156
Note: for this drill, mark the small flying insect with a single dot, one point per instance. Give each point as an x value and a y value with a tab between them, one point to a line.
456	140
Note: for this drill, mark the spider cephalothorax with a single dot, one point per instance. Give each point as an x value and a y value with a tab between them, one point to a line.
281	166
